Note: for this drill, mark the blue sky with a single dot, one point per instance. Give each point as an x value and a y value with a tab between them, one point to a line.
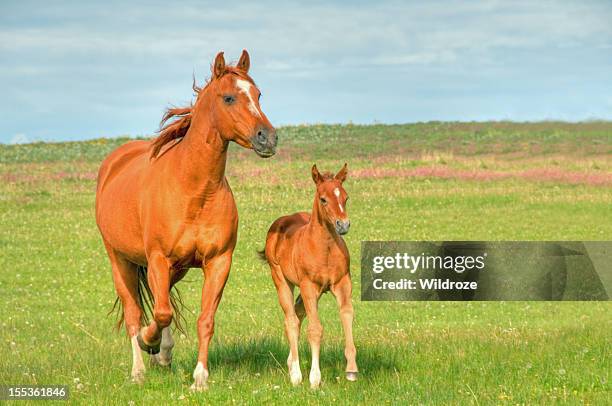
79	70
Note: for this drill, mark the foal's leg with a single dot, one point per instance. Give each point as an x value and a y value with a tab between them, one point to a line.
300	311
164	358
125	278
159	277
285	298
342	290
216	272
310	293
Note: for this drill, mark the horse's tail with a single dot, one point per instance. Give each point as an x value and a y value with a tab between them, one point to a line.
262	255
146	303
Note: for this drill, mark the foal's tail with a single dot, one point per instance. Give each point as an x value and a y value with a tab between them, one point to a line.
146	303
262	255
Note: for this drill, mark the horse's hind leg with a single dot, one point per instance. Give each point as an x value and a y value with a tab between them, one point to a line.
300	311
164	357
125	278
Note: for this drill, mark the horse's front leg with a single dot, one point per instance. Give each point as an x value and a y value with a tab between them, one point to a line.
159	277
216	271
311	293
164	358
342	291
292	323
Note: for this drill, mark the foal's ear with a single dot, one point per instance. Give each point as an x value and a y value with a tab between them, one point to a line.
245	62
341	176
218	67
316	176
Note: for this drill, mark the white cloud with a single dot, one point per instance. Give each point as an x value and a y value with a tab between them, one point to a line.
295	36
19	138
100	68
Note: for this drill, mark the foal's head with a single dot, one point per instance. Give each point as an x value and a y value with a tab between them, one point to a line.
233	99
331	198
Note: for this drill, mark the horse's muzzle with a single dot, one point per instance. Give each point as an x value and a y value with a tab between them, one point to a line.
342	227
264	142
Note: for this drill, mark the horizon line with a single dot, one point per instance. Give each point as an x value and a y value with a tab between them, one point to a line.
346	124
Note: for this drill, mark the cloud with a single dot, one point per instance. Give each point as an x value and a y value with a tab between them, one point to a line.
90	69
19	138
304	34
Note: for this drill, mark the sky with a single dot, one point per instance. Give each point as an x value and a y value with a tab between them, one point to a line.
79	70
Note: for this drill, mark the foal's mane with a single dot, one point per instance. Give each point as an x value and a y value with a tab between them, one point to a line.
176	120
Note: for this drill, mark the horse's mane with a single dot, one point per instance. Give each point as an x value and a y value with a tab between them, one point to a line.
176	120
177	128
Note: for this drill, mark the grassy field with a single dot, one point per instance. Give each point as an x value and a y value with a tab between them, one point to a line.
431	181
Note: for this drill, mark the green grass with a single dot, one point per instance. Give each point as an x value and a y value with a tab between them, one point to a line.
56	285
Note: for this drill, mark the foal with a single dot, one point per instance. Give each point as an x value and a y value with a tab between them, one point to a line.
307	250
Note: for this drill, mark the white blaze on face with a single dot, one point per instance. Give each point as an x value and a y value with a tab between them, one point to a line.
245	87
337	193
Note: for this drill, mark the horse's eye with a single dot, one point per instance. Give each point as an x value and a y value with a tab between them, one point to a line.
259	97
229	99
323	200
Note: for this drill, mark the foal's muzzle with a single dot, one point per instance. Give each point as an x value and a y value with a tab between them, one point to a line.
342	227
264	141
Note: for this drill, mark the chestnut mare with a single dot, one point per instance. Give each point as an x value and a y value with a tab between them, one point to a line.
166	205
307	250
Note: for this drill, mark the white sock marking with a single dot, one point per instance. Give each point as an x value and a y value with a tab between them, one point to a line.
164	357
315	374
200	378
295	373
138	367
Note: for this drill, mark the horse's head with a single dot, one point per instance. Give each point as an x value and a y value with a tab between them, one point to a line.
331	198
233	99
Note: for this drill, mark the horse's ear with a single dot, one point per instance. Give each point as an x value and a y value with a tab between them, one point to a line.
218	67
316	176
341	176
244	63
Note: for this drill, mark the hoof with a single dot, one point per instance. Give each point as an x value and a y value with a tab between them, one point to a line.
199	387
157	361
295	374
200	379
296	380
149	349
138	378
352	376
315	379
